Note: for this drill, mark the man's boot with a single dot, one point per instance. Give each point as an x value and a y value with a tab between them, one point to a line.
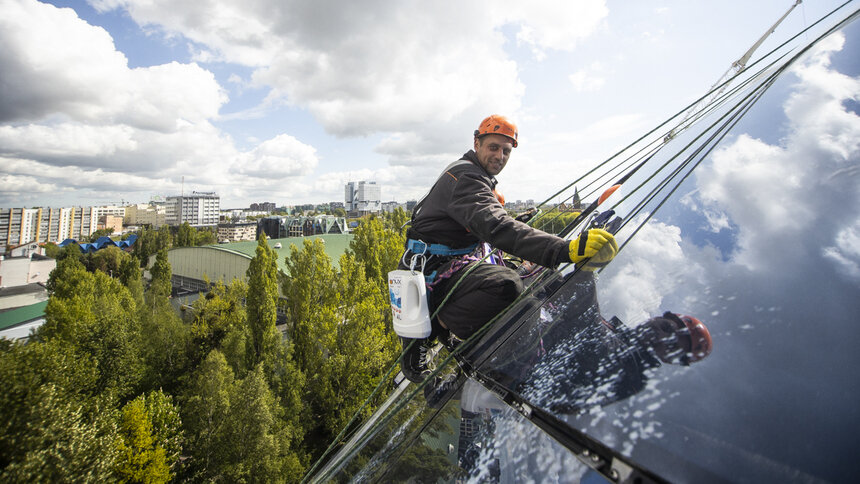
416	359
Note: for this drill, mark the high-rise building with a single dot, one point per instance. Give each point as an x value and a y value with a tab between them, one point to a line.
19	226
200	209
362	197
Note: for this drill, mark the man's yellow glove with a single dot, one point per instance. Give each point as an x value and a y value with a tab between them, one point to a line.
596	245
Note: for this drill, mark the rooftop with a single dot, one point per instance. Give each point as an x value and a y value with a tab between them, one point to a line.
335	246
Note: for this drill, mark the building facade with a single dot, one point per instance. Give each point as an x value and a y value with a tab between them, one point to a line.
282	227
20	226
362	198
267	207
145	214
200	209
237	232
112	222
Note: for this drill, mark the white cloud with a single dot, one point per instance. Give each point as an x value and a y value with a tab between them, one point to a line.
762	188
54	63
282	156
654	264
845	253
585	81
416	66
550	24
67	140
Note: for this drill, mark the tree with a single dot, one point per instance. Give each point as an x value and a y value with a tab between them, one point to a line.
205	409
166	424
206	236
233	430
95	315
379	249
108	260
131	277
26	369
185	235
52	250
141	458
395	220
164	342
218	321
161	285
99	234
62	442
341	342
310	302
363	347
163	239
260	447
262	302
553	221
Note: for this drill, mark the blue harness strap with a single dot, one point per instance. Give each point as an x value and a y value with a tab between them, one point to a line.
420	247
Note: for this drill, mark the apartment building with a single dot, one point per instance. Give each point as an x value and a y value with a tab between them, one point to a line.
19	226
200	209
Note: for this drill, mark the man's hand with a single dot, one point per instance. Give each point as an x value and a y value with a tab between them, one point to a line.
596	245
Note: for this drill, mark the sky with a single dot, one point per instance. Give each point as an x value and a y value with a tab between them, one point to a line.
117	101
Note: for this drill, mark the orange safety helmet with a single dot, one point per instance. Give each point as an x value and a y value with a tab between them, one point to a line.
497	124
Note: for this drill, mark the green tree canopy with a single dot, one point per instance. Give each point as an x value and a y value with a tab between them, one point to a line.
108	260
99	234
378	248
97	316
141	458
232	428
262	302
161	285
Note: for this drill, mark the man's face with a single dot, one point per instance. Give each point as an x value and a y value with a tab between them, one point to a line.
671	340
493	151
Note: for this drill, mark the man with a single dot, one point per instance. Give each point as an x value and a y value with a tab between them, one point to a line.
567	358
449	230
590	361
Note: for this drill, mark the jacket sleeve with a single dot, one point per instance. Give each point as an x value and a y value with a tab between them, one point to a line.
474	206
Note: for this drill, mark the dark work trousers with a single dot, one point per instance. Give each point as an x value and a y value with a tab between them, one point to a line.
479	296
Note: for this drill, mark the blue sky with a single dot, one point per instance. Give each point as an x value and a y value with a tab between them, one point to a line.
286	101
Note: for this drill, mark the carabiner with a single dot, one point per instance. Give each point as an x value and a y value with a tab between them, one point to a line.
413	262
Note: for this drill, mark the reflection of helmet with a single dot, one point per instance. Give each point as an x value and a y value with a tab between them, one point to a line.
497	124
700	337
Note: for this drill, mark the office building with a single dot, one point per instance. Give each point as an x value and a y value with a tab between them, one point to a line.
200	209
362	198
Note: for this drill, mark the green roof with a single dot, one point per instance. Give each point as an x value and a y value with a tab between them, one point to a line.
335	246
23	314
